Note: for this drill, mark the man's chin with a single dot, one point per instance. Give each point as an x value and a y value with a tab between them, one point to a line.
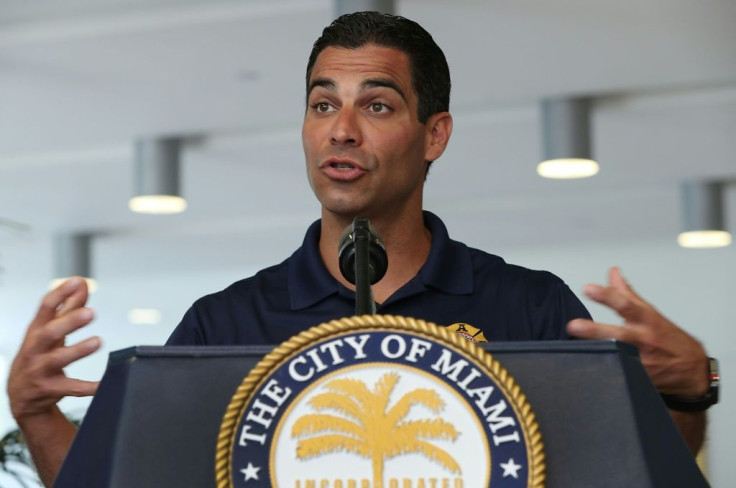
343	209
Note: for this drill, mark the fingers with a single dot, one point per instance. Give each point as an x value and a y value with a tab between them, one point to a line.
64	356
37	381
26	402
77	299
587	329
620	297
52	334
73	290
77	388
675	360
616	280
626	305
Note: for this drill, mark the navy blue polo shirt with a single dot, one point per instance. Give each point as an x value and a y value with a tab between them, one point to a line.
457	284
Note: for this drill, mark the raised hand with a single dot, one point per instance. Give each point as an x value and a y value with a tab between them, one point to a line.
37	380
675	361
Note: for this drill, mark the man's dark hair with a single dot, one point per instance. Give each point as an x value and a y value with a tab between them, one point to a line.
429	71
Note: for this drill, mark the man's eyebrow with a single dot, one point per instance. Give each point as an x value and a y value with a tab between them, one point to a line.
382	82
330	85
323	82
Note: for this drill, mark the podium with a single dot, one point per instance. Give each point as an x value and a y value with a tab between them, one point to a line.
156	415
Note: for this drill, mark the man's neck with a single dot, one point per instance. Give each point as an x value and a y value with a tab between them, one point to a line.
407	242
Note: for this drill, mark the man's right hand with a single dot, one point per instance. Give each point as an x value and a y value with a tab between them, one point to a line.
37	380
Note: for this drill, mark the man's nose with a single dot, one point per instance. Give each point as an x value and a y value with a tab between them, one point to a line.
346	130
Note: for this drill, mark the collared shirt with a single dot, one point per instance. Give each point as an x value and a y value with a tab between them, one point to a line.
457	284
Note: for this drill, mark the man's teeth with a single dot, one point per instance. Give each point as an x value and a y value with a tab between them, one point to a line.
342	165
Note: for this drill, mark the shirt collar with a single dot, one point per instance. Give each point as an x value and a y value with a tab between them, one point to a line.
309	280
448	267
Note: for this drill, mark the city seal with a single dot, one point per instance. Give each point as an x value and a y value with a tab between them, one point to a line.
379	402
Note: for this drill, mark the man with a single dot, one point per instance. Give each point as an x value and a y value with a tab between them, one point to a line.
377	116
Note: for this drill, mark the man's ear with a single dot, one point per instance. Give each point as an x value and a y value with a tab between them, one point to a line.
439	129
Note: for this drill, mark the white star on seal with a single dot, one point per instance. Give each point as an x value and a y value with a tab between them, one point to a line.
251	472
511	468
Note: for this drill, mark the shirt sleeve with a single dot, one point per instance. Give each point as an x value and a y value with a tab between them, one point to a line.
552	308
188	332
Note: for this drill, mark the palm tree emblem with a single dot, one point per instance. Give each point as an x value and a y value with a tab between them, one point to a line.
364	424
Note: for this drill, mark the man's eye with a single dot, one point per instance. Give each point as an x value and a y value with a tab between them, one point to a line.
378	107
322	107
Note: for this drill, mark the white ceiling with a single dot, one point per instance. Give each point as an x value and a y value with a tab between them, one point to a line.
81	80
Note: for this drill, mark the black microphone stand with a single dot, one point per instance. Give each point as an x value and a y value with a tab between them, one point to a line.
364	303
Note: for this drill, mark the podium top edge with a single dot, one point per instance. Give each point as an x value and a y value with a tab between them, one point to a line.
572	346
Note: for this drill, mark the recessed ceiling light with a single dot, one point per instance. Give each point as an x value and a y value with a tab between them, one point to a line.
562	169
157	177
157	204
566	128
702	239
702	215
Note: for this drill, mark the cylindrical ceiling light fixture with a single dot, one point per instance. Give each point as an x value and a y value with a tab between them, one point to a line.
343	7
702	216
566	130
157	177
72	257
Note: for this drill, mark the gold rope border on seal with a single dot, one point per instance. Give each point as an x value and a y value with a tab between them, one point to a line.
235	409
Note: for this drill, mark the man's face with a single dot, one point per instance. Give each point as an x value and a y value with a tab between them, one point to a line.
365	149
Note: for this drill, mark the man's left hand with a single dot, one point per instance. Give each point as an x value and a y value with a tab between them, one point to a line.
675	361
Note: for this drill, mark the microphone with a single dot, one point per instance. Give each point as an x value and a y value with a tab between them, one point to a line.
359	230
363	261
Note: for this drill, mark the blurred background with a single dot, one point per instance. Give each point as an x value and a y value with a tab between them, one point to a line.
81	81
